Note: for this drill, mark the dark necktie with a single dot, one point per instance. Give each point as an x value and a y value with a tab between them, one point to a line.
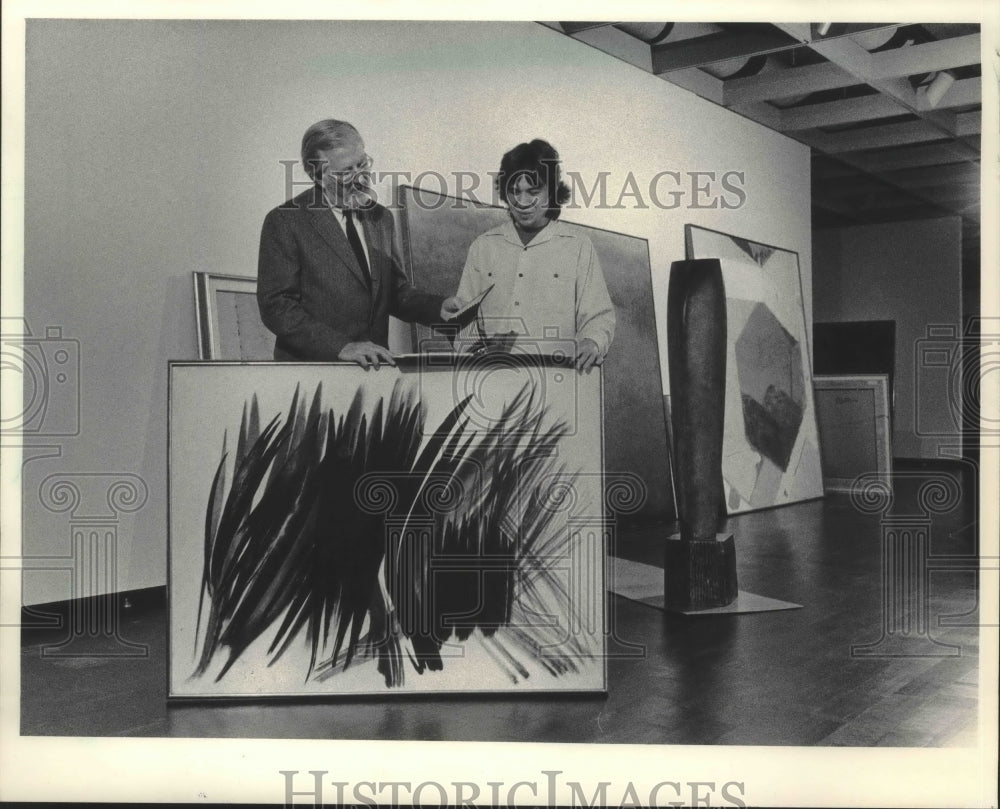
355	240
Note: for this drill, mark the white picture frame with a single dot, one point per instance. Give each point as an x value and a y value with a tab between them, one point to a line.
855	429
228	320
407	487
770	448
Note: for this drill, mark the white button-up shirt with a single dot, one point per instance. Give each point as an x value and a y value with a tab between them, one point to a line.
550	288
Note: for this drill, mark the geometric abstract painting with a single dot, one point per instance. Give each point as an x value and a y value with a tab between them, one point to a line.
772	386
426	528
770	444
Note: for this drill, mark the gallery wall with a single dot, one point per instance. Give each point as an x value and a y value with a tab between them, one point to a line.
155	148
909	272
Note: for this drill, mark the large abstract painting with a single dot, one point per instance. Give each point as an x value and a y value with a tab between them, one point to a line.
433	527
437	231
770	446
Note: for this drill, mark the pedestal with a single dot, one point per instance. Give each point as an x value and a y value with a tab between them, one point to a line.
700	574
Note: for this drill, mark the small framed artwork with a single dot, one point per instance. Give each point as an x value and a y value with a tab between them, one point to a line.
434	527
229	324
855	438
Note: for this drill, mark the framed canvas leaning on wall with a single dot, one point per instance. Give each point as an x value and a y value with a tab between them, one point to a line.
228	320
770	450
854	429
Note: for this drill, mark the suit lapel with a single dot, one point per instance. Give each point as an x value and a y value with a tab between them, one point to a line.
322	219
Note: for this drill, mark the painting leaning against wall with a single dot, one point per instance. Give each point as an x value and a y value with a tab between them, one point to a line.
770	447
413	529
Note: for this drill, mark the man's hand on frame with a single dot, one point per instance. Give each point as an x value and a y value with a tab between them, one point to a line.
367	354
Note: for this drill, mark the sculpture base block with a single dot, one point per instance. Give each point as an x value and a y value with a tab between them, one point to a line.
701	574
643	584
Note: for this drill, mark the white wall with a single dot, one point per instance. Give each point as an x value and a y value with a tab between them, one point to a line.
909	272
154	149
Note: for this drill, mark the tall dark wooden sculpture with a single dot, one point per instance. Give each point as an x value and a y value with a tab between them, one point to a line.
700	564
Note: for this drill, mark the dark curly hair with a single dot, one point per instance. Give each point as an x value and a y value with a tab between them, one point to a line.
539	162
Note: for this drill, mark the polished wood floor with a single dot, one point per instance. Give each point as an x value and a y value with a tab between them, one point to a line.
780	678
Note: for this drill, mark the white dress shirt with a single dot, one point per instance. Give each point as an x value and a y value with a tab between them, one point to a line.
338	214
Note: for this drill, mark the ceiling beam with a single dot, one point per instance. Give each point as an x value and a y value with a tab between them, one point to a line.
785	83
615	42
868	108
846	54
961	94
761	113
882	152
927	58
697	81
873	137
574	28
853	58
968	123
814	78
705	50
846	111
801	32
905	61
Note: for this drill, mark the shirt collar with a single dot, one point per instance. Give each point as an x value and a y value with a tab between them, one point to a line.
339	212
549	232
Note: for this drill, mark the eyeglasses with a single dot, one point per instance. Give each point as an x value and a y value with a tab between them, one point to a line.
349	175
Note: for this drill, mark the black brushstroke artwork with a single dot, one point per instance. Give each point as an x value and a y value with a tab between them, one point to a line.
341	531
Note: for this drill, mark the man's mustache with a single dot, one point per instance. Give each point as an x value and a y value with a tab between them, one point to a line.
361	192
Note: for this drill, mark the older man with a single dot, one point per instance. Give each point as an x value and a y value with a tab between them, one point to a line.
329	273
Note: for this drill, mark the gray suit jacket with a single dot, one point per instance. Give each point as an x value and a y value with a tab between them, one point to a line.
312	292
